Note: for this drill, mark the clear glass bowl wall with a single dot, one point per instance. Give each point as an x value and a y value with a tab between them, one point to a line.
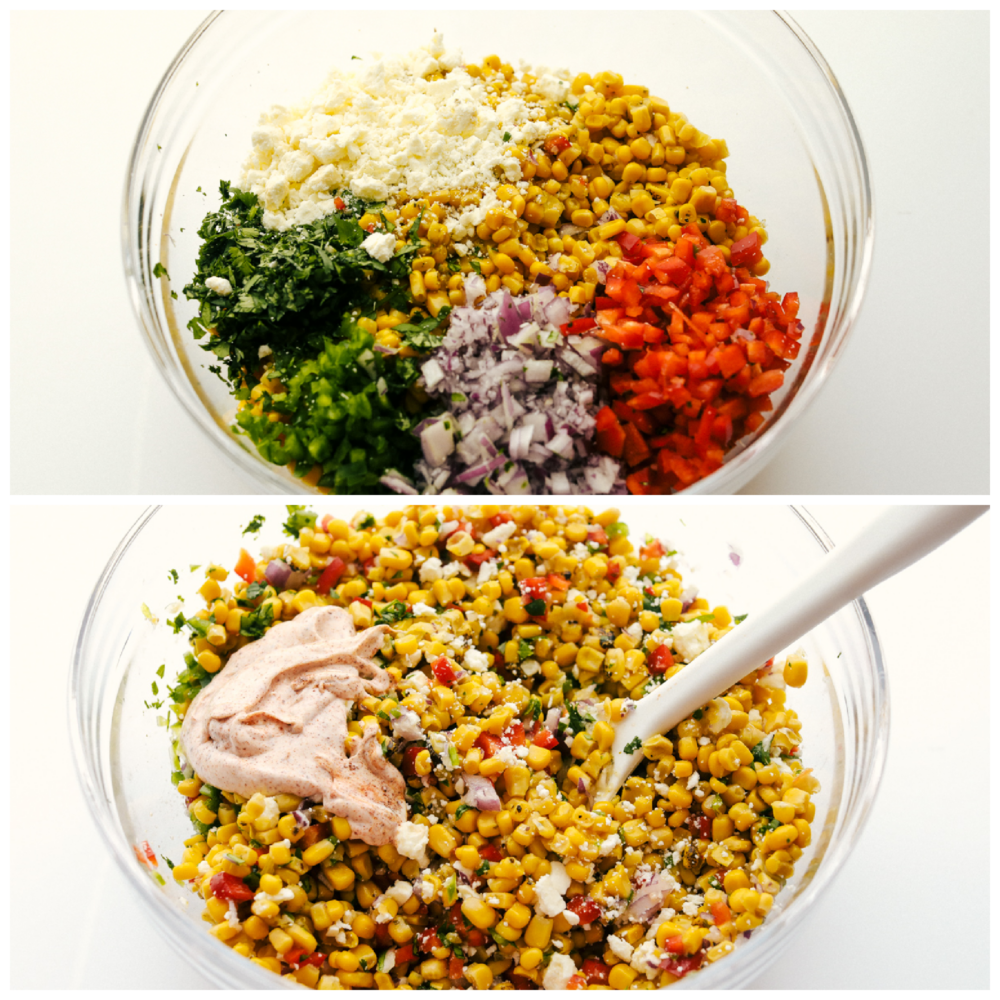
752	78
123	756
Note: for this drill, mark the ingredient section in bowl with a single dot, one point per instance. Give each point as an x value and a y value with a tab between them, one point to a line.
444	276
408	805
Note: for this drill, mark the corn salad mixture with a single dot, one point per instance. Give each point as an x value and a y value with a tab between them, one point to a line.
521	636
379	214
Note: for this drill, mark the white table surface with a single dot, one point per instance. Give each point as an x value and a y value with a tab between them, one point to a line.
910	908
906	411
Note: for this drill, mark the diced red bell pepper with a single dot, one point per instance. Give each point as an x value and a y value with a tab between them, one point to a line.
246	567
490	852
543	738
746	251
331	575
674	944
636	449
338	204
405	954
720	913
488	743
587	909
660	660
597	535
534	588
456	968
478	558
595	971
700	825
428	940
226	886
680	967
766	383
502	518
555	144
557	582
580	325
444	671
513	735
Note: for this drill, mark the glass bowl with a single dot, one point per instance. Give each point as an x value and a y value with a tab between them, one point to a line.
123	754
796	161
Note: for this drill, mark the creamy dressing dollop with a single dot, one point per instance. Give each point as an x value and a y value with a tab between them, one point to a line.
275	719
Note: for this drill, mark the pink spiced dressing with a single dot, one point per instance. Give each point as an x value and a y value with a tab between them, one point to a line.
275	719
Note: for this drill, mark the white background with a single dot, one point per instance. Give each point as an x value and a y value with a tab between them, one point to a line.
906	411
910	909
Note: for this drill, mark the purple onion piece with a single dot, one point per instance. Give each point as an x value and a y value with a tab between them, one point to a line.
277	573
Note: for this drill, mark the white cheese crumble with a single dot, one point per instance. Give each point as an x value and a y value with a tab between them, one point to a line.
430	570
422	609
220	286
380	246
690	639
620	947
550	888
560	970
475	660
645	959
499	534
411	841
609	844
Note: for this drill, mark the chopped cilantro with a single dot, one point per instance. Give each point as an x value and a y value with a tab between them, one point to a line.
255	623
633	745
534	710
172	575
420	335
698	713
462	810
256	523
760	754
740	618
367	522
159	271
255	589
525	650
577	720
535	607
160	669
506	137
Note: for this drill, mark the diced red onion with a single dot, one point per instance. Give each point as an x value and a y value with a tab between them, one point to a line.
552	718
277	573
437	441
398	483
302	819
480	793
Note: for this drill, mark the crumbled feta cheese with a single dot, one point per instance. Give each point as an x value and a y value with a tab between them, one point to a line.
549	890
422	609
530	667
263	351
278	897
692	903
430	570
508	755
417	680
692	783
232	917
400	891
487	570
609	844
476	660
690	639
620	947
571	918
499	534
407	726
411	841
220	286
560	970
645	959
381	246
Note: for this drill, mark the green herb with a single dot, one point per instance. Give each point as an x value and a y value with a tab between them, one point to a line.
483	869
476	266
760	753
698	713
633	745
420	335
255	589
256	523
156	690
577	721
146	613
710	617
299	517
506	137
391	613
255	623
534	710
453	756
740	618
535	607
525	650
160	669
650	603
367	522
617	530
172	575
159	271
170	863
461	811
